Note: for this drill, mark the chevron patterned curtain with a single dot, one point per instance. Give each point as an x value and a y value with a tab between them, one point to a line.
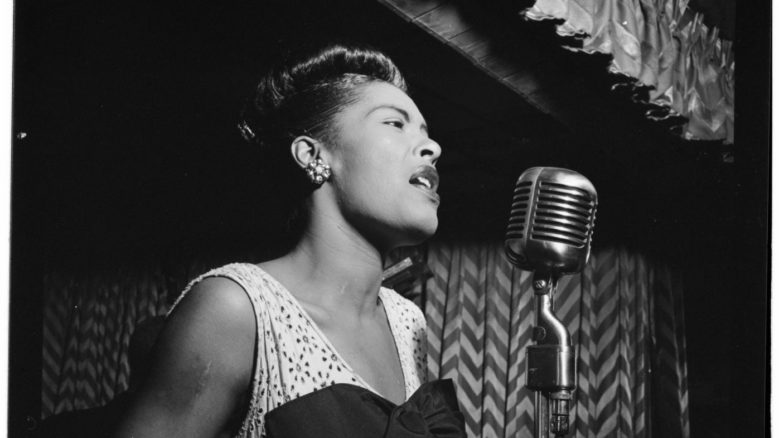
624	315
87	324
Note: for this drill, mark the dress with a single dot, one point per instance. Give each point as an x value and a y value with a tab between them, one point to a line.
294	359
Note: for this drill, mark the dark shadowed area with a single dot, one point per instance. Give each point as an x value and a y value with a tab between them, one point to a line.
130	153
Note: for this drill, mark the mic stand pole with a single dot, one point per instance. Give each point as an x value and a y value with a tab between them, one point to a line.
551	362
541	416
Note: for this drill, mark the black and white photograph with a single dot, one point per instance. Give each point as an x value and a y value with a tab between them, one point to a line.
389	219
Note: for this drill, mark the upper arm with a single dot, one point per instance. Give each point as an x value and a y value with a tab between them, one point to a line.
202	366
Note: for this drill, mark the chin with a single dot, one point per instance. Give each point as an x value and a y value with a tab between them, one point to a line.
422	232
431	229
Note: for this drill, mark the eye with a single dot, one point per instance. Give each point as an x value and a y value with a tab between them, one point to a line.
396	123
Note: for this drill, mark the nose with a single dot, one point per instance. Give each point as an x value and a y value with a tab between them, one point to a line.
429	149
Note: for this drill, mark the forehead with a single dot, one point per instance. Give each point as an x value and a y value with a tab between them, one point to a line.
373	95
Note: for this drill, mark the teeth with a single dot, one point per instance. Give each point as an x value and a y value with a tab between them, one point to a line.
425	182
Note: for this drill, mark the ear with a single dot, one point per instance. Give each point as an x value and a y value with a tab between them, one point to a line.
304	150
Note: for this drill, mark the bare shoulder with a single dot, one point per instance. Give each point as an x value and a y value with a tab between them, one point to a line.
201	367
216	296
215	319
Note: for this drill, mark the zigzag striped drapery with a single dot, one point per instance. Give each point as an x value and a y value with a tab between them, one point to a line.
88	318
87	324
624	315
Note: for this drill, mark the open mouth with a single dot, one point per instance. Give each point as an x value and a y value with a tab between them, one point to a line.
425	178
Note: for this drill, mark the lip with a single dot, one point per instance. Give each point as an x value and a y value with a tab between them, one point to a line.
428	172
435	197
431	175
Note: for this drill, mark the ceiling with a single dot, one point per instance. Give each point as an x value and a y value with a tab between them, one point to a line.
129	112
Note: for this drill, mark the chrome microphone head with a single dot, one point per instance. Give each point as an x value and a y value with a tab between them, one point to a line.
551	222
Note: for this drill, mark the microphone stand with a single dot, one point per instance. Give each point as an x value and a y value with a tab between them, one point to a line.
551	362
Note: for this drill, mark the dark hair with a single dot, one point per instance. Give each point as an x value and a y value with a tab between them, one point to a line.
301	95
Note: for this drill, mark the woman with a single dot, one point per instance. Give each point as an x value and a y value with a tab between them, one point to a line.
310	344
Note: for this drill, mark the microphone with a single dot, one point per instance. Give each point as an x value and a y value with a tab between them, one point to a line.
552	217
550	233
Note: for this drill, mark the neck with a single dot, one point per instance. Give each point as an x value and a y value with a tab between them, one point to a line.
333	267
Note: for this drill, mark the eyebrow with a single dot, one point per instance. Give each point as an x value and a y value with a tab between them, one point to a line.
404	113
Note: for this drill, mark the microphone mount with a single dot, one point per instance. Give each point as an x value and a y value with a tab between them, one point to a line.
551	361
549	233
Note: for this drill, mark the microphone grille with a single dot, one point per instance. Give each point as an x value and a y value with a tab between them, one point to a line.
563	214
519	210
551	222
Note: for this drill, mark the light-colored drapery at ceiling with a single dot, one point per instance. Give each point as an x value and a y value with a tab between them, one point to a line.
664	45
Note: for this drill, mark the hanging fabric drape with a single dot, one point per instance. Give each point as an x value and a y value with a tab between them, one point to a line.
87	324
624	315
664	45
623	312
88	319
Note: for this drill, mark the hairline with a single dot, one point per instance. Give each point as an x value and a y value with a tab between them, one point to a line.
352	96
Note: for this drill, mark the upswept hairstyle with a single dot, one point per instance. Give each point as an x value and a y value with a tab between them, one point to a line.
301	96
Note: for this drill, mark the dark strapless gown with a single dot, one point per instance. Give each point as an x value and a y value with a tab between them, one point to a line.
350	411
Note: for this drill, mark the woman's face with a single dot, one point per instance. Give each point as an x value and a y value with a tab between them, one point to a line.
384	179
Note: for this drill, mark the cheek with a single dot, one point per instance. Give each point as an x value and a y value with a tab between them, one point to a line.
372	163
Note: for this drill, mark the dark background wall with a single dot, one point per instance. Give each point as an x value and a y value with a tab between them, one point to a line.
131	156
